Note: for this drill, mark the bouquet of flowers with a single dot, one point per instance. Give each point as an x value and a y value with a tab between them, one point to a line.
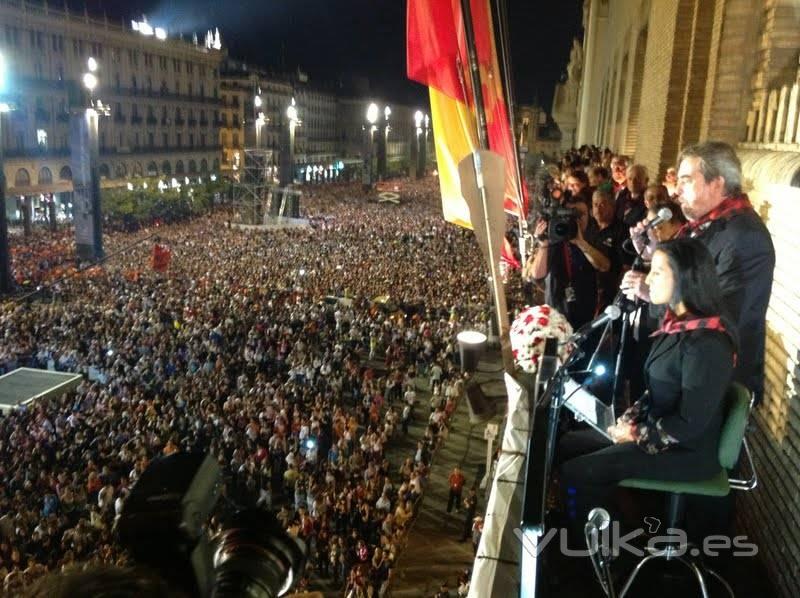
529	331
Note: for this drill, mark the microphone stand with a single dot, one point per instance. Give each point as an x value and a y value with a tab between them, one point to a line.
627	307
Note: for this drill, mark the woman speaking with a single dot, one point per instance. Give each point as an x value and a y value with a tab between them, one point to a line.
672	432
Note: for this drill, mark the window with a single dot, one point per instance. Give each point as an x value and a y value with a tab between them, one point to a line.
191	139
178	140
165	139
41	138
151	140
189	93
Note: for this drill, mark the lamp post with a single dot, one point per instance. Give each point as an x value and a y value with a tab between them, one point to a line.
259	118
87	216
417	164
287	151
6	280
369	131
423	153
383	139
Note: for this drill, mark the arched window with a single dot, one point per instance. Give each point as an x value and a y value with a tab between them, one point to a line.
192	167
216	164
166	168
179	167
152	169
65	174
105	171
45	176
120	171
22	178
137	169
203	166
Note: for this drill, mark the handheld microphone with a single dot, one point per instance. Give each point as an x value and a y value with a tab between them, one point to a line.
664	215
611	313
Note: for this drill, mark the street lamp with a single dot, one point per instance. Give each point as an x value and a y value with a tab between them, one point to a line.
87	215
6	280
286	175
372	113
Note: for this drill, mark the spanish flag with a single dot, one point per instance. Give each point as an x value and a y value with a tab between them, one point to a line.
436	56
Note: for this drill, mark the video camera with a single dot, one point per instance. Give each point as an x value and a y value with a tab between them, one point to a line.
163	524
562	222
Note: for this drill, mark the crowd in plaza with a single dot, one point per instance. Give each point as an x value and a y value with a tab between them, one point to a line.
268	350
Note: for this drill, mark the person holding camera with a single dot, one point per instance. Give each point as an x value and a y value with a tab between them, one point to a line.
569	267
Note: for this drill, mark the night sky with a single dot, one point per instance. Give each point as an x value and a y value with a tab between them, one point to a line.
329	38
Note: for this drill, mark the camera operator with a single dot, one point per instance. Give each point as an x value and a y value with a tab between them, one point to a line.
569	267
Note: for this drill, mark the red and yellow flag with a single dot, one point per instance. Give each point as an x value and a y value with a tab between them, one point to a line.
436	56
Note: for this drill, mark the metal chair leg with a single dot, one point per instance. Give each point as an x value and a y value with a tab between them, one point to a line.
721	580
698	573
635	572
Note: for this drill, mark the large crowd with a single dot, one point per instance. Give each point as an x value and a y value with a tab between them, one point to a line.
262	350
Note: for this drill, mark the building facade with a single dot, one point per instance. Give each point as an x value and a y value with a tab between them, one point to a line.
661	74
163	96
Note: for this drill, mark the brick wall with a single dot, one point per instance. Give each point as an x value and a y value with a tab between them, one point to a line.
656	83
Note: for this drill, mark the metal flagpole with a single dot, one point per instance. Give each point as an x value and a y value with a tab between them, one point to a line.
483	140
505	66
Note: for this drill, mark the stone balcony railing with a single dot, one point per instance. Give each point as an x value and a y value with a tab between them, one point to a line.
774	121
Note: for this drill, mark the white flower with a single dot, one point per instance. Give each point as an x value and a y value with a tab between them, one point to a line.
529	331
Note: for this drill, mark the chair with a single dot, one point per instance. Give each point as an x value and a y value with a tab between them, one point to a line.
732	438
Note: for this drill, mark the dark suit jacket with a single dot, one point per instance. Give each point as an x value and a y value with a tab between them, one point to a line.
745	259
687	375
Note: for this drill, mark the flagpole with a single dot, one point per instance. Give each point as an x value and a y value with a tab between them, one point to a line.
505	62
498	291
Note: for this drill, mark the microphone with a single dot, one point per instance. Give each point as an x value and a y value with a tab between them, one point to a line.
664	214
599	553
600	518
611	313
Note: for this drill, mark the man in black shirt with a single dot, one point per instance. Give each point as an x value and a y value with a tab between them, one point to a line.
608	238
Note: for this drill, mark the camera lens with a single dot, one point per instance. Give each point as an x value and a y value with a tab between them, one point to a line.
256	558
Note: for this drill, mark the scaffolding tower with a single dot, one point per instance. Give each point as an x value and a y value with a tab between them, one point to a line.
257	199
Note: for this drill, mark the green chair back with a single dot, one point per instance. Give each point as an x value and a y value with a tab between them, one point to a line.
737	401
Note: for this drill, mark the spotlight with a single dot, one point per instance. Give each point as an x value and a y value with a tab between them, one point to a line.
599	370
471	344
311	443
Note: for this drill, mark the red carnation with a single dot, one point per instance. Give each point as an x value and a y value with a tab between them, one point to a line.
544	321
544	310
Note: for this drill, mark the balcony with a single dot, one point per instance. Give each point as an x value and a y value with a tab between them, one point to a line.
165	122
136	119
203	122
37	152
192	122
179	121
119	117
140	149
152	120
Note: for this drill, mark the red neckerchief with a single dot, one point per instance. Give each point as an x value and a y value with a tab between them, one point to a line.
730	206
672	325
